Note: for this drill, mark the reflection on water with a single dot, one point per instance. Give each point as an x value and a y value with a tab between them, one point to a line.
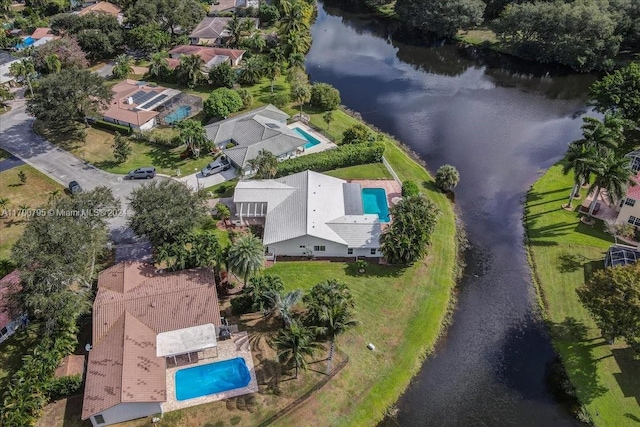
500	122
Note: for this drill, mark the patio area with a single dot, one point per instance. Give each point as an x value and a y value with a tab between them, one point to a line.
605	210
237	346
324	144
391	187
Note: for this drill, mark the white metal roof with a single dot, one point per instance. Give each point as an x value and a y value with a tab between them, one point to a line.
187	340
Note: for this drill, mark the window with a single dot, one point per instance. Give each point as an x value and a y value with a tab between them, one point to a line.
634	221
349	251
99	419
630	202
319	248
302	246
373	251
3	332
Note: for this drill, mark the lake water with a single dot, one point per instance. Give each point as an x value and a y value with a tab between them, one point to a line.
501	123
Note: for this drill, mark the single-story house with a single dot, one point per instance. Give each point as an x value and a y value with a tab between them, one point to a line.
142	317
135	104
103	7
10	320
245	135
211	56
6	59
213	31
232	5
309	214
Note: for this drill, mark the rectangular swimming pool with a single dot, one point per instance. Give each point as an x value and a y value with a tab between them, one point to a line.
374	201
213	378
312	141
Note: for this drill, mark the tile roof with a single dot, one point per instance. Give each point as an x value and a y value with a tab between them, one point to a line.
42	32
124	110
7	58
132	306
634	191
9	285
102	7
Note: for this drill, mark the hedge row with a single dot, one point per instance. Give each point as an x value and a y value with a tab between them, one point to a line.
125	130
340	157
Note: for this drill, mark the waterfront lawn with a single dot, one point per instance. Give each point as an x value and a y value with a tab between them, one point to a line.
368	171
33	193
565	252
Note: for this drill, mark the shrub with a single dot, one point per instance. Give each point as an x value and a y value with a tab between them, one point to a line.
410	188
222	76
340	157
222	102
447	178
59	388
357	134
101	124
324	97
247	98
280	100
268	14
241	305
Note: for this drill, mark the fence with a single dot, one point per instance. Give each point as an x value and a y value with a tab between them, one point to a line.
391	171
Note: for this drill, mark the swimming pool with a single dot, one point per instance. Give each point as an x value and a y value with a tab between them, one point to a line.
180	113
212	378
374	201
312	141
25	43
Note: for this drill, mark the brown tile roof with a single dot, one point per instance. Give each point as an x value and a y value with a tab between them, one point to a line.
121	110
70	365
123	366
39	33
9	285
102	7
634	192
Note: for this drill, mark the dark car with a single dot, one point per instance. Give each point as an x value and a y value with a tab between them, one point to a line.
142	173
222	164
74	187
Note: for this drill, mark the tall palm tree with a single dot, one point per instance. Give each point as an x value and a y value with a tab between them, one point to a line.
264	165
293	18
235	28
606	135
282	305
159	65
579	158
255	42
53	63
301	93
296	60
335	319
252	70
447	177
123	67
246	256
294	345
296	42
24	69
328	118
612	174
190	69
261	289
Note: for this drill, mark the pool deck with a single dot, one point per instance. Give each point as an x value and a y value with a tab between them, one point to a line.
237	346
324	145
391	187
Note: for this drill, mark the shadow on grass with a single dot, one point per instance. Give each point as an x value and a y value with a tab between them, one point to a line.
629	376
106	164
578	357
375	270
568	263
596	230
163	158
72	413
591	267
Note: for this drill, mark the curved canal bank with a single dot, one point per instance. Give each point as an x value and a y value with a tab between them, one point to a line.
500	123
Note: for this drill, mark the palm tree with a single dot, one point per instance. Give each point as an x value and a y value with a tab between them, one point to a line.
294	345
328	118
255	42
612	174
246	256
335	319
190	69
447	177
296	60
159	65
123	67
5	95
282	305
301	93
4	202
296	42
579	158
54	195
264	165
53	63
261	289
252	71
25	69
235	28
293	18
605	135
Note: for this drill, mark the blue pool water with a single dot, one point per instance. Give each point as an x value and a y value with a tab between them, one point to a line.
312	141
25	43
180	113
374	201
212	378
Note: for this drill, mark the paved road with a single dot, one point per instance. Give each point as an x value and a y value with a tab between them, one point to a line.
17	137
10	163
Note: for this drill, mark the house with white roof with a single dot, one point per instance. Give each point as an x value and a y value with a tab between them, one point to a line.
309	214
6	59
247	134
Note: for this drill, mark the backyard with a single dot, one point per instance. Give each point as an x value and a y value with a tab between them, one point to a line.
564	252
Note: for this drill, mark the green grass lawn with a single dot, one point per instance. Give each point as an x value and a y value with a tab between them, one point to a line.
369	171
564	253
224	189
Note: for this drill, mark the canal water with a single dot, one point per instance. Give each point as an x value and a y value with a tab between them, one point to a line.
501	123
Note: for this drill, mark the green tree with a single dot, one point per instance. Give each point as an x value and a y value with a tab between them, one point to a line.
255	42
612	174
121	148
619	92
159	66
282	306
189	70
334	319
447	177
410	188
5	96
296	42
443	17
604	135
234	27
357	134
405	240
193	135
247	98
24	69
222	75
294	17
268	14
54	65
328	118
222	102
294	345
260	291
612	296
66	49
223	212
172	15
272	70
578	158
252	71
246	256
264	165
96	44
324	97
301	93
148	38
164	211
296	60
60	100
123	66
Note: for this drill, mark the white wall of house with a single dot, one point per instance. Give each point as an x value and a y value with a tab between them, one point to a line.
146	126
630	208
126	412
310	245
9	329
5	76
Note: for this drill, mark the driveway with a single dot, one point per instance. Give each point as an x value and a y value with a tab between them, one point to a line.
196	181
105	71
17	137
10	163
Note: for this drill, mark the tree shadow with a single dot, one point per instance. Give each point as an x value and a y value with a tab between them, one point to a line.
568	263
629	376
591	267
431	186
375	270
163	158
106	164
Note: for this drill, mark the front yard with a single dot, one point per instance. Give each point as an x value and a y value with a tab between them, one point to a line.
564	253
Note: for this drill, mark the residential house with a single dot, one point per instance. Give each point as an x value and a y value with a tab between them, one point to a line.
212	31
103	7
139	315
10	320
220	6
6	59
309	214
211	56
629	208
242	137
135	104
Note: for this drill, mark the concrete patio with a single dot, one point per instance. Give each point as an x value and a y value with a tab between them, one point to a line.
606	210
324	145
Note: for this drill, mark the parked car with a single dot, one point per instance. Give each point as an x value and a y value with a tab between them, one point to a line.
74	187
222	164
142	173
